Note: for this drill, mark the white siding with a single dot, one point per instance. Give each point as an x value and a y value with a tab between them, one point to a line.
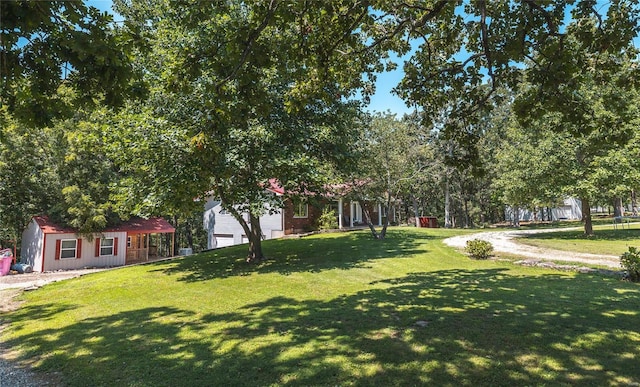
87	258
271	224
570	210
217	223
31	246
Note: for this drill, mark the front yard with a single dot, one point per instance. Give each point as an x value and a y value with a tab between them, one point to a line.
606	240
333	309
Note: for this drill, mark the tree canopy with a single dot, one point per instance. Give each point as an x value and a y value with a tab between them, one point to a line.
47	44
238	94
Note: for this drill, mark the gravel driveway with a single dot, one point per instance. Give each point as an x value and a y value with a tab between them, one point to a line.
35	280
506	241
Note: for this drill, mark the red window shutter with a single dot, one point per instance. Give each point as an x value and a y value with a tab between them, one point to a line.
57	249
115	246
79	249
97	247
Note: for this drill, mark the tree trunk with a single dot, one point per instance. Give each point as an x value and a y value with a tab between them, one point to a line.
415	211
189	231
618	209
175	245
586	217
634	203
367	217
253	231
383	232
516	216
255	240
466	213
447	203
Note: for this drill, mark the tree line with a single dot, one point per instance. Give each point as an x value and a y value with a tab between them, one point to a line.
515	103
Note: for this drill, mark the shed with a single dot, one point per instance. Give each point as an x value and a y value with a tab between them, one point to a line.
47	246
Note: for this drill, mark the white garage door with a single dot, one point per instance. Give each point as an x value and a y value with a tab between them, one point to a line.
222	240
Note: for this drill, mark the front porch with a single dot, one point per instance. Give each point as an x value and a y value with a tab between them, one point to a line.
144	247
148	240
350	214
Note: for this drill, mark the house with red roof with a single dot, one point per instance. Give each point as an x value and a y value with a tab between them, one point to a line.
47	246
296	216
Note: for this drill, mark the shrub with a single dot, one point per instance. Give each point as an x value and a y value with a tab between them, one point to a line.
328	220
630	261
479	249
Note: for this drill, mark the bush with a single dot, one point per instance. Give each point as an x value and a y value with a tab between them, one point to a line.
479	249
630	261
328	220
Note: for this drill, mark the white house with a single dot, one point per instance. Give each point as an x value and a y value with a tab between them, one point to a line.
571	209
47	246
224	230
295	217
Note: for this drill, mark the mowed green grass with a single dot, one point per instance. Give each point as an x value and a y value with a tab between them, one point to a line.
606	240
333	309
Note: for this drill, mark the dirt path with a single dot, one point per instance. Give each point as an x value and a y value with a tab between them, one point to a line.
506	241
36	280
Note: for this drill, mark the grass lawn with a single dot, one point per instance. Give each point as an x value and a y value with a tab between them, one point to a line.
597	221
333	309
607	240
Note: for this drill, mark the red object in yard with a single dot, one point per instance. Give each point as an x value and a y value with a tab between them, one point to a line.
428	221
6	256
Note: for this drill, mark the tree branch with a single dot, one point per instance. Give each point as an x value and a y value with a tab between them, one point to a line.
533	5
253	36
485	40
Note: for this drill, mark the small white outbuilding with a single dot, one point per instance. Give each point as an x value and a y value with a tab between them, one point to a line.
47	246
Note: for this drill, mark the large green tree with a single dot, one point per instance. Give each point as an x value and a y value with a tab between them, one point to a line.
531	166
393	157
255	92
469	50
27	183
585	79
47	44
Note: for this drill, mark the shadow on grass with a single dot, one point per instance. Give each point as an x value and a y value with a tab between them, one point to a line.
577	235
311	254
481	327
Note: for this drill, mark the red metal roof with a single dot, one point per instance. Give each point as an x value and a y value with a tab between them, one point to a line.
133	225
275	187
49	227
143	226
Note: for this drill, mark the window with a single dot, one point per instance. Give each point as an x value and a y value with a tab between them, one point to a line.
68	248
106	246
301	210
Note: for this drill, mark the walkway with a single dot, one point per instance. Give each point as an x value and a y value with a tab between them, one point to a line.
506	241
